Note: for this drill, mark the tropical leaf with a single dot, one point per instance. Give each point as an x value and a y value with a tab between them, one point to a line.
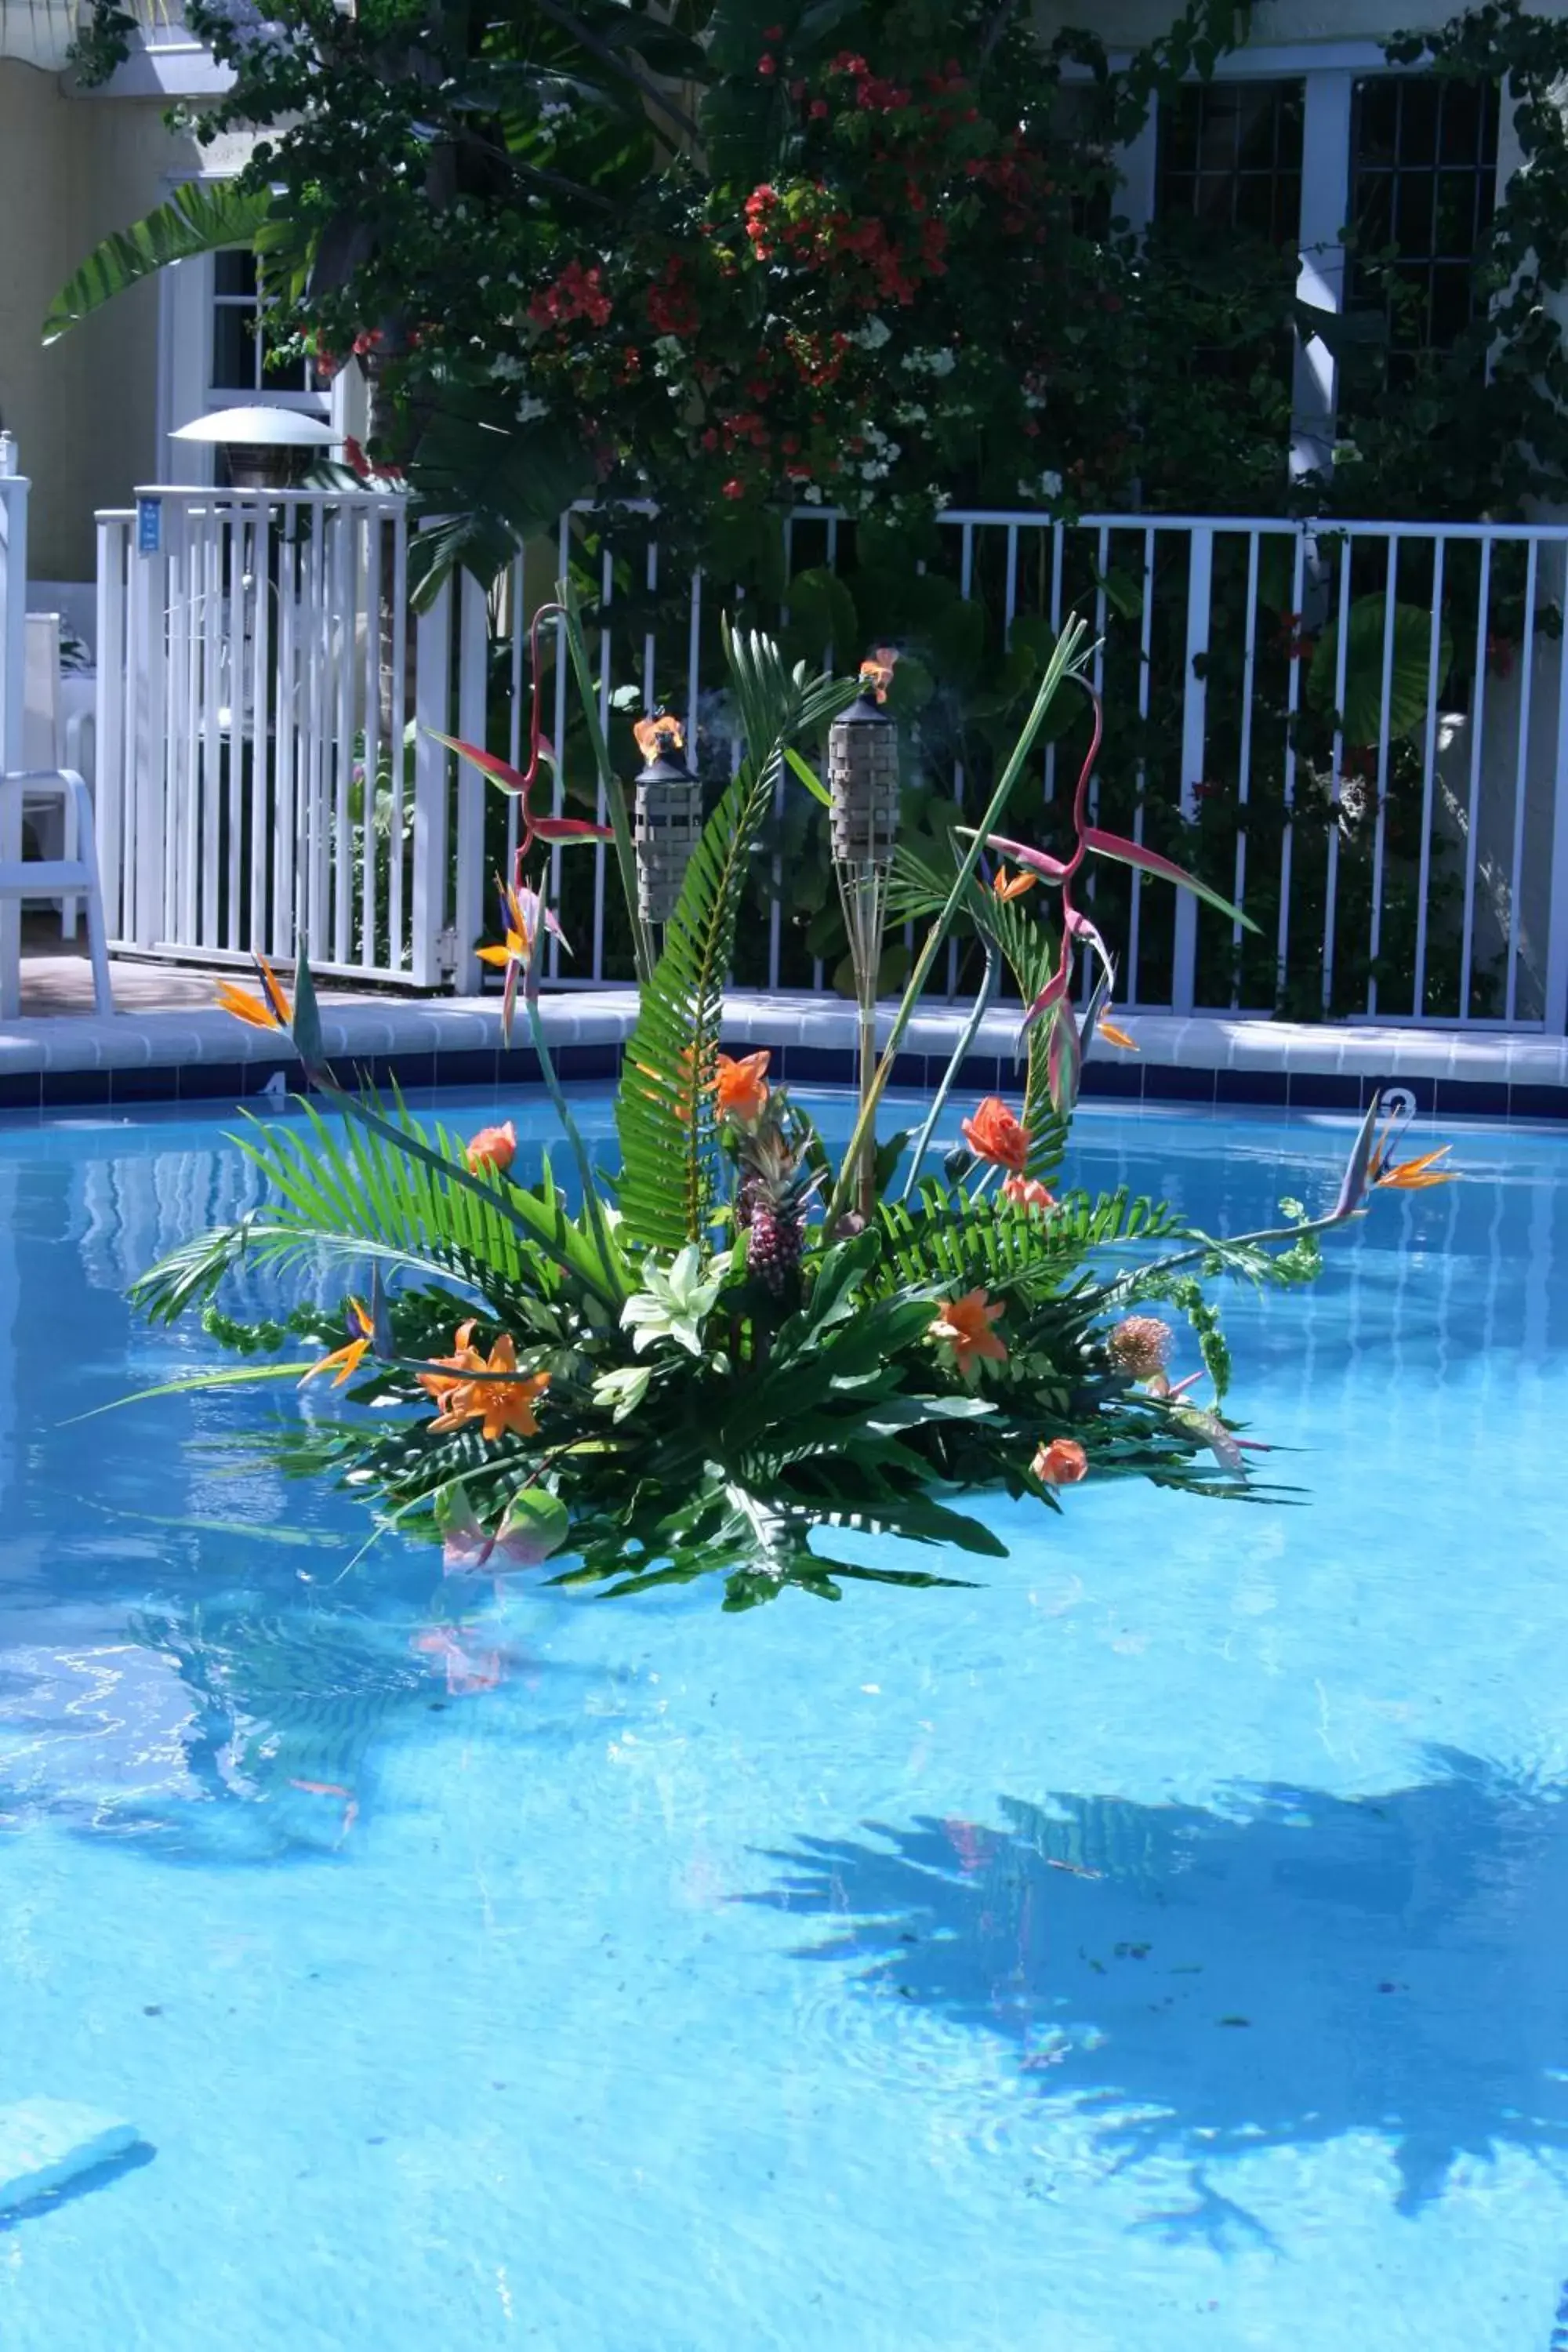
664	1110
201	216
385	1193
1411	677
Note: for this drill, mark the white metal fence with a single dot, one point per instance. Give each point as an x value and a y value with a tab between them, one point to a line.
1358	731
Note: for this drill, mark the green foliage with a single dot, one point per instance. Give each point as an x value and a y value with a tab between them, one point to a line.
612	1389
663	1111
201	216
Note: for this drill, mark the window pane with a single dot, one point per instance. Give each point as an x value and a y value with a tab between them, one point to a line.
1459	126
1374	212
1230	153
1432	218
1413	194
1417	119
235	273
1378	106
284	375
234	346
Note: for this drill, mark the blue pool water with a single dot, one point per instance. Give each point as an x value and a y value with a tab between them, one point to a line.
1160	1947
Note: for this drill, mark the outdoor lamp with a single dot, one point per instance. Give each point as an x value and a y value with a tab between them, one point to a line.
667	818
863	815
268	448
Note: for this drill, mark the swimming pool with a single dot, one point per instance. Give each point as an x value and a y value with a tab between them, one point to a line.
1158	1948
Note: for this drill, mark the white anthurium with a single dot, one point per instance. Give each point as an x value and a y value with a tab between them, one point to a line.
673	1304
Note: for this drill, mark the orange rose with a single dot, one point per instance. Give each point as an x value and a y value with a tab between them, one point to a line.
1062	1462
741	1088
996	1135
1029	1192
493	1147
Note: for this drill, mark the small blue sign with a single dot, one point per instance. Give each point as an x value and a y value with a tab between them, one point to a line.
149	526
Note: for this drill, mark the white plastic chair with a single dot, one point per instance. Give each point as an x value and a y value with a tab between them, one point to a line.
67	878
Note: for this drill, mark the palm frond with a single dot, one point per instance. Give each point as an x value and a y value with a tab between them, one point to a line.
200	217
663	1111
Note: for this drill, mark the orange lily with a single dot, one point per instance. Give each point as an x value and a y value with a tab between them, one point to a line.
740	1087
1006	886
465	1359
347	1359
497	1404
964	1325
1062	1462
996	1135
269	1009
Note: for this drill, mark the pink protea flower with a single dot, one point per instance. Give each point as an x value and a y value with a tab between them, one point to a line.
1140	1347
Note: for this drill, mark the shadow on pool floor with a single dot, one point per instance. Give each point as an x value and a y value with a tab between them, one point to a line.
1290	1970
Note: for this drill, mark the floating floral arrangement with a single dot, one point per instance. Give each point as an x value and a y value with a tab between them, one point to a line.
723	1354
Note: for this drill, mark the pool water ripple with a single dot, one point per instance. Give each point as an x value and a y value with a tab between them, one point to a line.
1158	1948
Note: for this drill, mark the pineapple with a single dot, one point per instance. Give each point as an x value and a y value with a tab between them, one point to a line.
770	1200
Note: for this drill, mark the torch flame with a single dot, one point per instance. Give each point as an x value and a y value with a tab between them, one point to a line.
659	734
877	673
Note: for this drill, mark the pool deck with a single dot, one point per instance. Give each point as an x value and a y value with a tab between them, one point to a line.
168	1044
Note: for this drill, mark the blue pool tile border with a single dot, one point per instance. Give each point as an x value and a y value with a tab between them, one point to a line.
201	1056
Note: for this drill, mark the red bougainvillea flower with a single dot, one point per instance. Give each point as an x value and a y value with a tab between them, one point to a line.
269	1009
963	1325
1062	1462
1029	1192
994	1134
739	1089
493	1147
346	1360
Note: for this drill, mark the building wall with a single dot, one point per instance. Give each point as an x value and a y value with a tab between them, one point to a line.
83	412
1130	23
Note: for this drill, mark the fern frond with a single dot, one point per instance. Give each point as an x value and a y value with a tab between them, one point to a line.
664	1110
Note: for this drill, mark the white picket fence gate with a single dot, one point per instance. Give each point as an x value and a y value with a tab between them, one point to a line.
267	773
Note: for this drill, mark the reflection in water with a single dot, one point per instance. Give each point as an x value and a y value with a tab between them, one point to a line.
1295	1969
232	1731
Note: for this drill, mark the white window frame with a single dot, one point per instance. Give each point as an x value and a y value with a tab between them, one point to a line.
1329	71
186	296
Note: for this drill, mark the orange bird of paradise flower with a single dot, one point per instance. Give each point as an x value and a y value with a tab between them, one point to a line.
739	1086
964	1325
524	916
1410	1175
347	1359
1115	1037
268	1010
499	1404
1006	886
